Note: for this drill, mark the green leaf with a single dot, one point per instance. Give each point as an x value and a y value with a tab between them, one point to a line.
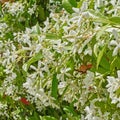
20	77
35	58
70	64
101	70
102	105
115	20
47	118
51	36
80	3
68	6
105	63
102	20
115	64
70	109
73	3
35	116
118	92
41	13
71	114
100	55
91	6
37	28
54	92
1	71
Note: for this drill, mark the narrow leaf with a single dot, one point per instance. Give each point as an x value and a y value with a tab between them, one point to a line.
54	92
113	64
100	55
67	6
80	3
115	20
73	3
47	118
51	36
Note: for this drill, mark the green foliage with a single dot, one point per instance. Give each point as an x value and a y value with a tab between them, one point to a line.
47	118
68	5
63	66
100	55
54	91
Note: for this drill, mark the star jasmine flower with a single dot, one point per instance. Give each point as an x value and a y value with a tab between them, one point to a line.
115	43
112	86
14	8
117	47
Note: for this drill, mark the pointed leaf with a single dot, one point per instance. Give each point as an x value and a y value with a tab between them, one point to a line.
73	3
100	55
115	20
67	6
51	36
54	92
47	118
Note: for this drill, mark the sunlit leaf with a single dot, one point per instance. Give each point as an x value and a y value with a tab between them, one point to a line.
68	4
51	36
115	20
47	118
80	3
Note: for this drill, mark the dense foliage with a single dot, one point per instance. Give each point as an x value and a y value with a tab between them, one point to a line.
60	60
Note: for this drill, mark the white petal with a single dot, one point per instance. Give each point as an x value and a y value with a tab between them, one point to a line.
118	72
76	10
113	42
115	51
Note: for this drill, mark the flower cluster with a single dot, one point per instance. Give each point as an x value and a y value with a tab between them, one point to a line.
114	88
65	66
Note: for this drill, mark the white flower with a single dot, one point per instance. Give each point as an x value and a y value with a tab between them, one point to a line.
3	26
88	51
117	46
62	84
63	72
61	87
10	90
84	6
112	86
32	10
60	46
99	3
115	43
14	8
89	112
88	81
